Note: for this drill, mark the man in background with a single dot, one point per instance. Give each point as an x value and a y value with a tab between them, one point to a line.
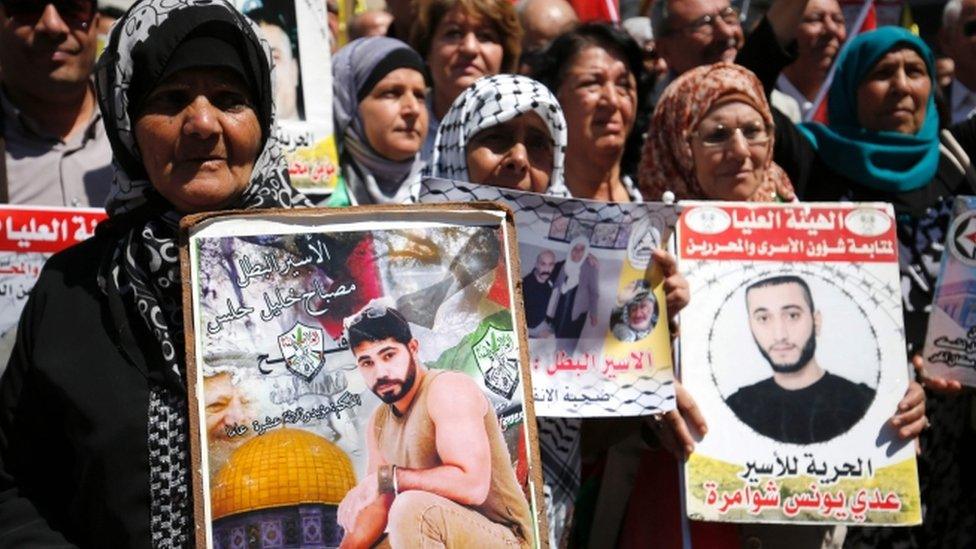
819	38
957	37
370	23
56	152
542	21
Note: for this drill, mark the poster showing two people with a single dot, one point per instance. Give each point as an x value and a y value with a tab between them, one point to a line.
794	351
594	300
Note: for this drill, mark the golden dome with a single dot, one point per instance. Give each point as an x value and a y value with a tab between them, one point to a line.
280	468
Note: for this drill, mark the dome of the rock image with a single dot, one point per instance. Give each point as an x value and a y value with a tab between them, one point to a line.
281	486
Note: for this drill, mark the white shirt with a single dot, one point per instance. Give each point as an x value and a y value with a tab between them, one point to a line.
784	85
963	101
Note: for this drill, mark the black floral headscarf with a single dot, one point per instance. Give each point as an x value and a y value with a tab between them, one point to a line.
143	271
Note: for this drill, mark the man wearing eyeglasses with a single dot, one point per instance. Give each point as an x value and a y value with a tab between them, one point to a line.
55	148
438	469
820	36
691	33
957	38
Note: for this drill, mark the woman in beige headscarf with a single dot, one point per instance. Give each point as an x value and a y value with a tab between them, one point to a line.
711	137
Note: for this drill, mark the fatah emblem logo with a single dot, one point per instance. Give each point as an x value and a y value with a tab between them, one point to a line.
497	358
962	235
302	348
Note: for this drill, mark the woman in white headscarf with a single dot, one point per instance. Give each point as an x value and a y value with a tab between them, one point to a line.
575	295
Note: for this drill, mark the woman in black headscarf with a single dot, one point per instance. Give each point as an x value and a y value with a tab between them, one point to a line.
93	426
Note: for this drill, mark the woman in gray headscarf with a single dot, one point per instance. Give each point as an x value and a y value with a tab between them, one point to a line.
94	442
379	91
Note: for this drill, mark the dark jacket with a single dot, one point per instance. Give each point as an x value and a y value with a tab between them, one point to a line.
74	462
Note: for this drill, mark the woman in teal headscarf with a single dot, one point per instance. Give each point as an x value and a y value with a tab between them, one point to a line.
884	143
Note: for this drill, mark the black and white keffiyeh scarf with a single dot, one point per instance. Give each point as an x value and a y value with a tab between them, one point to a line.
143	270
490	101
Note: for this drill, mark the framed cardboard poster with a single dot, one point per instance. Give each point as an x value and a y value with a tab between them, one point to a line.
353	369
950	342
298	33
795	352
594	299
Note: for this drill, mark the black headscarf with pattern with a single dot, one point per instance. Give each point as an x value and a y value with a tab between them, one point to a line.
143	270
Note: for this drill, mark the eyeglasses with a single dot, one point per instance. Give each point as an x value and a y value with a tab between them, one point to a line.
969	28
706	23
755	133
77	14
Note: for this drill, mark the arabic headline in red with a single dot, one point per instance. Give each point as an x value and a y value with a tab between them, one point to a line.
788	233
43	230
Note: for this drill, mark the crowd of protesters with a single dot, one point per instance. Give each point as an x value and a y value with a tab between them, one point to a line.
688	99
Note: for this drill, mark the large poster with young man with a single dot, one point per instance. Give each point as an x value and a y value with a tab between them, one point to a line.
794	351
595	309
355	373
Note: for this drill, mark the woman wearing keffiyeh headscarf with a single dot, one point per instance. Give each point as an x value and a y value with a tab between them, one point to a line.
93	426
506	131
380	116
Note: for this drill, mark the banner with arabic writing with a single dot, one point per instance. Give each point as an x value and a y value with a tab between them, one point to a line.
320	336
950	343
794	350
298	33
594	300
28	236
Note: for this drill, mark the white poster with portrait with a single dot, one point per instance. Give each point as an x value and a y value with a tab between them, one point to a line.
794	350
594	300
298	33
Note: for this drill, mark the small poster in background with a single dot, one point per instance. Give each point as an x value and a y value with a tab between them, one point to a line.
298	33
794	351
594	300
326	347
28	236
950	343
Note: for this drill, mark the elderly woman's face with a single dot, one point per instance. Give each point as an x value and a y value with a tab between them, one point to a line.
464	48
894	95
516	154
599	99
199	137
730	148
394	114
